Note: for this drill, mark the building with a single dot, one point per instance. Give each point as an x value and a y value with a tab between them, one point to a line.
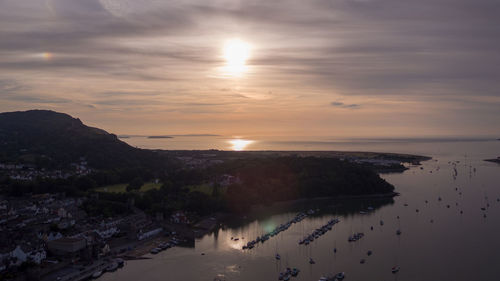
67	246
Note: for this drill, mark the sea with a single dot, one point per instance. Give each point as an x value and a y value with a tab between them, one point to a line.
448	213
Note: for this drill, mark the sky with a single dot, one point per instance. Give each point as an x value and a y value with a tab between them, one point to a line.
345	68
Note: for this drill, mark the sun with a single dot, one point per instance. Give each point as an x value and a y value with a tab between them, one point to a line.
236	52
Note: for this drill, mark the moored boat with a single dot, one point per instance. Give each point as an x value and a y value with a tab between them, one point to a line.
340	276
97	274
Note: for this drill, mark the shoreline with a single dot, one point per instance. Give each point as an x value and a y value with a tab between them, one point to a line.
340	197
141	250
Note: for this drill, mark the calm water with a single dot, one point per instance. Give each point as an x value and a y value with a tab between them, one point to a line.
454	247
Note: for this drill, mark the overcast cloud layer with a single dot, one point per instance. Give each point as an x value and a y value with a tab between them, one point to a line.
337	68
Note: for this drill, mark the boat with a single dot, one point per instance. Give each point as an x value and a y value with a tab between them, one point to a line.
395	269
112	267
398	232
97	274
340	276
286	277
381	222
369	253
295	272
278	257
311	261
120	262
154	251
362	261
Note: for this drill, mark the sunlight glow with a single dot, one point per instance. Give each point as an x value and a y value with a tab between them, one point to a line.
44	56
47	55
239	144
236	52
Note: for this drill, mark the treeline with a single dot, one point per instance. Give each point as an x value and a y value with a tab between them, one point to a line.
267	180
260	181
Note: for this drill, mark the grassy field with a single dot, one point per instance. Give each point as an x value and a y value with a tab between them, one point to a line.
205	188
122	188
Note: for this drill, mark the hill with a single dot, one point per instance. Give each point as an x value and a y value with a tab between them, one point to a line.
51	139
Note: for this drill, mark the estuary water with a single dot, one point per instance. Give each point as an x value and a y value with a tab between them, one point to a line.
448	239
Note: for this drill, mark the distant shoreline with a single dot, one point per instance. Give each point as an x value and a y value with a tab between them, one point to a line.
160	137
497	160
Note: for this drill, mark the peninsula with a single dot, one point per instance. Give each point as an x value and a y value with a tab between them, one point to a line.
85	184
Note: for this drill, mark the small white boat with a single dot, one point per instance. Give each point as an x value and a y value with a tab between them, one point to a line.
395	269
278	257
97	274
340	276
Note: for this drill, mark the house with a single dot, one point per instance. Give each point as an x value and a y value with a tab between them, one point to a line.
227	180
19	255
179	217
67	246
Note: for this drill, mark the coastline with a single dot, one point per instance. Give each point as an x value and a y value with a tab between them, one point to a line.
141	250
497	160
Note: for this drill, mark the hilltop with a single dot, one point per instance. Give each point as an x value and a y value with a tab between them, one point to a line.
50	139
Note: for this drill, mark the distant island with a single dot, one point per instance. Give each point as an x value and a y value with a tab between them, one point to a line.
496	160
159	137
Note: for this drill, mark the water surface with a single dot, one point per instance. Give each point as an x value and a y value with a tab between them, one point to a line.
453	246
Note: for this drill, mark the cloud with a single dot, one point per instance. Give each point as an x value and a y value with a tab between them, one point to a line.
343	105
163	56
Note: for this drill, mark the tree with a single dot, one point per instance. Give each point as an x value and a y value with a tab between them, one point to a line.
135	184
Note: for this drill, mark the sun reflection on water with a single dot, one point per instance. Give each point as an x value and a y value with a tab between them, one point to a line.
239	144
